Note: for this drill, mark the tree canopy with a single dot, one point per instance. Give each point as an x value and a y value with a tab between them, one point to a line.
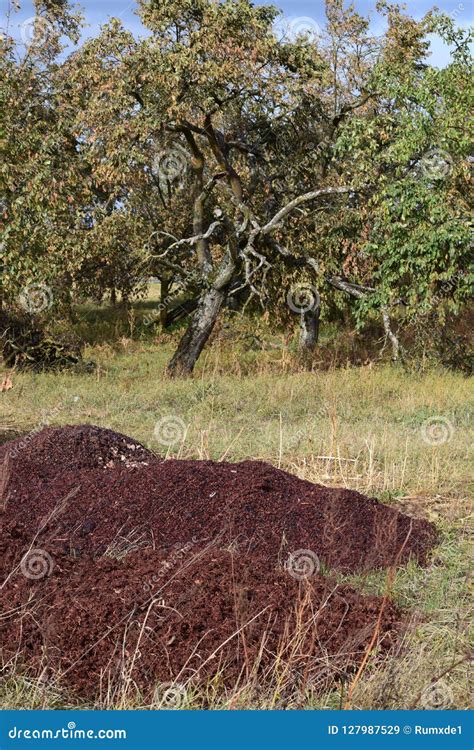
223	152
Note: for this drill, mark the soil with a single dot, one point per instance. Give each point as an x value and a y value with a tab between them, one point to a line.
122	569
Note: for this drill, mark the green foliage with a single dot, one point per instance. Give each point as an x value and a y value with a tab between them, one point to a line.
118	156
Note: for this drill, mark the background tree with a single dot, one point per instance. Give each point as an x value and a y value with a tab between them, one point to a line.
40	176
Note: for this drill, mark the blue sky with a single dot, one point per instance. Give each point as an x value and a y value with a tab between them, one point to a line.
98	11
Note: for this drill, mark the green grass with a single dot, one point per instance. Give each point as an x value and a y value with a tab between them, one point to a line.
361	428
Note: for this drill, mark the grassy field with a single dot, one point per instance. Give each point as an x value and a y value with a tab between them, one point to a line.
401	437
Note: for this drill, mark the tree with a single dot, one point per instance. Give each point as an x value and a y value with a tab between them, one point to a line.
40	176
416	251
202	91
220	154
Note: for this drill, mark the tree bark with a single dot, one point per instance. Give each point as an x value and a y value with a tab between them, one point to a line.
309	329
389	334
197	333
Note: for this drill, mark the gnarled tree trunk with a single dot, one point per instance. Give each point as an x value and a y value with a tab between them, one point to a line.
198	332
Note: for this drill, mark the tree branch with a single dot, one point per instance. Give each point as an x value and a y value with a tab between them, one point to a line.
305	198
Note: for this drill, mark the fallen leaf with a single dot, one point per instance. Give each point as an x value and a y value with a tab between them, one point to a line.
6	383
